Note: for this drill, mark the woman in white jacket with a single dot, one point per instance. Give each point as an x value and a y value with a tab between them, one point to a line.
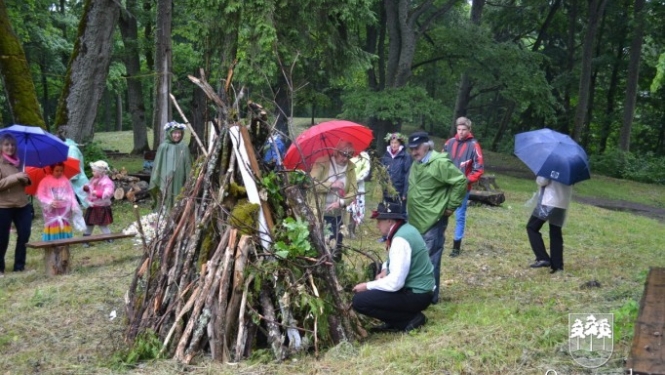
553	201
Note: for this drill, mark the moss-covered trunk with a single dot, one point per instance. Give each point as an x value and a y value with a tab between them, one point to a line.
88	68
16	78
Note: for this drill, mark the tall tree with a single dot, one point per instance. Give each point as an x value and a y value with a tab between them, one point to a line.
15	74
633	75
129	30
465	86
163	62
595	12
88	68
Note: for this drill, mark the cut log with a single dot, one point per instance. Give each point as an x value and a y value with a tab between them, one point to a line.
493	198
57	260
120	191
486	191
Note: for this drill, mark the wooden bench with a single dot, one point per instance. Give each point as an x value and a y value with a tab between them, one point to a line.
56	252
647	351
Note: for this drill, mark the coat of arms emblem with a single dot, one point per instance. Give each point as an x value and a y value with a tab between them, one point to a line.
590	338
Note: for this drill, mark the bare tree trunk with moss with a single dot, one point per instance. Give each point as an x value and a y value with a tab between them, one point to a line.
88	68
162	108
16	77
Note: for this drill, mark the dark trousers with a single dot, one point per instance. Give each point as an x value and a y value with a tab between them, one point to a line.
434	239
538	246
335	223
22	219
394	308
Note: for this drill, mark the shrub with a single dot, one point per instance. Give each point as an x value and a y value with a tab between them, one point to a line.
643	168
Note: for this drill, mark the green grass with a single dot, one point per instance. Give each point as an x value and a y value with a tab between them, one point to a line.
496	315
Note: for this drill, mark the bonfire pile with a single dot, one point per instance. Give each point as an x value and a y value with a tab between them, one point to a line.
226	273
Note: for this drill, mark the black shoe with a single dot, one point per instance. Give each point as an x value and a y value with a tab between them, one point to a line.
384	327
455	253
418	321
555	270
540	264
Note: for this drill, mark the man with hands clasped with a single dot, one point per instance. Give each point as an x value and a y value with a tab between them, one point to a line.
404	287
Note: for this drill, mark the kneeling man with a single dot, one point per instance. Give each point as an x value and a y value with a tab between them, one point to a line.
405	285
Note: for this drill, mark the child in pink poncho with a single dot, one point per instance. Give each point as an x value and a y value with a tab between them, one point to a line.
59	205
100	190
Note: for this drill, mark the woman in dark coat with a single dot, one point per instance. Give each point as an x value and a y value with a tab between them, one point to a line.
398	163
14	204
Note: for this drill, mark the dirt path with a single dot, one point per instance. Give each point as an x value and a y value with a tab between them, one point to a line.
609	204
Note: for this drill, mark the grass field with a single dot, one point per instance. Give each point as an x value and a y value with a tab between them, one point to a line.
496	316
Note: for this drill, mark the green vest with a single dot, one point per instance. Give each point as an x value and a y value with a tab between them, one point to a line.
421	274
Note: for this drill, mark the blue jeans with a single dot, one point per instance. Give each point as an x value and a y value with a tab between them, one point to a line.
434	238
460	218
22	219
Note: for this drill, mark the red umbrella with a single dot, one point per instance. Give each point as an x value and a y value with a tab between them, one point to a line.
72	168
321	139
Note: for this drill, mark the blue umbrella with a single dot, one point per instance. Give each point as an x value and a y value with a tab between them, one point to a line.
36	147
553	155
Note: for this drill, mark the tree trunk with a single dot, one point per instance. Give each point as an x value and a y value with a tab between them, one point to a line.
118	111
162	108
465	86
596	9
199	117
16	77
129	30
633	76
88	68
608	117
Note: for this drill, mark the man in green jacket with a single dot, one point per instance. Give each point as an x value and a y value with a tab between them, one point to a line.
436	188
405	285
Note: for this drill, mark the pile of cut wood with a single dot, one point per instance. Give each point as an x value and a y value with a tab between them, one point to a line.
128	187
211	283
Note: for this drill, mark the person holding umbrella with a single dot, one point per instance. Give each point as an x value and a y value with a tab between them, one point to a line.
559	163
335	187
553	200
80	179
59	205
14	203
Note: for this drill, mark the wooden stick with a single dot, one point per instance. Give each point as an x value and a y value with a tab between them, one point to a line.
191	129
138	221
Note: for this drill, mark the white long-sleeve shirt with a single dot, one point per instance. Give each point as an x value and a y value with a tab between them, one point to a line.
398	269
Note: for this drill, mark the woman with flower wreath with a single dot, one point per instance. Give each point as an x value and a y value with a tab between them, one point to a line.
172	165
398	164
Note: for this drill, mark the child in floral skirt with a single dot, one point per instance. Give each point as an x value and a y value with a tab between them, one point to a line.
99	190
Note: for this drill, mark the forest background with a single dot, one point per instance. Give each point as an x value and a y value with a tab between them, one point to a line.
591	69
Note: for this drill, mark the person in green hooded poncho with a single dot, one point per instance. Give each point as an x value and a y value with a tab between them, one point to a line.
172	165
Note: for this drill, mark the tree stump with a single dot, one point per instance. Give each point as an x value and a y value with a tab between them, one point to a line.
57	259
487	191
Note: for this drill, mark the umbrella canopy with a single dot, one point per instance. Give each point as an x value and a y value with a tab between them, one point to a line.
37	174
321	140
553	155
36	147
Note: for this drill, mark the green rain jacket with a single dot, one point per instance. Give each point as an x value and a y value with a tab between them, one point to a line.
170	169
434	187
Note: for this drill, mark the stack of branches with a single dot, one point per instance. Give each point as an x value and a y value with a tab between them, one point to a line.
221	278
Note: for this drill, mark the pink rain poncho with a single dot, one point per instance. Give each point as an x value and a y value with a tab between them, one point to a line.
59	207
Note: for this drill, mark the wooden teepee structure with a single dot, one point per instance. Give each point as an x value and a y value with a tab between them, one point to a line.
213	281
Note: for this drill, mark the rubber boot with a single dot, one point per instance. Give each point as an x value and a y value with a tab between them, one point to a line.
456	248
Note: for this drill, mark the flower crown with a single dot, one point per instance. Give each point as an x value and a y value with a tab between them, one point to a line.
169	126
399	136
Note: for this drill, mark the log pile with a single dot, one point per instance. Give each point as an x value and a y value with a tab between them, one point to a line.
211	281
128	187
